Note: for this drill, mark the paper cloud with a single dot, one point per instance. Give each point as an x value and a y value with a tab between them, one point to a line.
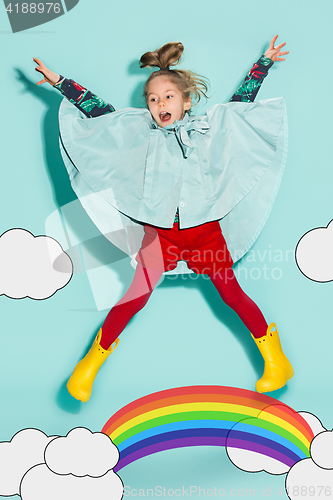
23	452
306	480
271	450
82	453
32	266
40	483
313	477
322	450
76	466
252	461
314	254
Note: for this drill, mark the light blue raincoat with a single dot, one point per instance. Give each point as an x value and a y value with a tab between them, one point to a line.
226	165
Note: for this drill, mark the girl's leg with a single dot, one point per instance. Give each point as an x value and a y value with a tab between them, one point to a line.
278	369
136	297
81	381
232	294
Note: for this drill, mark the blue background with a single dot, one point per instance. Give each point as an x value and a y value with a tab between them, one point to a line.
186	335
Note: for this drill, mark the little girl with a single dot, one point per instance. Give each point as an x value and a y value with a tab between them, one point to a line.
183	177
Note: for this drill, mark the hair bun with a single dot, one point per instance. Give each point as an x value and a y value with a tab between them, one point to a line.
164	57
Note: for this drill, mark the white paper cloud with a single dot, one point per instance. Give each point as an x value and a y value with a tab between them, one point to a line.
313	477
78	466
32	266
322	450
24	451
40	483
308	481
251	461
254	461
82	453
314	254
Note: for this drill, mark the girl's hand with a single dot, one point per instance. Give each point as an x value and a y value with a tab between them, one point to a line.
49	76
274	52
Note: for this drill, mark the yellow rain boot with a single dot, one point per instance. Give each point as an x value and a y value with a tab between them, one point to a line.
278	369
81	381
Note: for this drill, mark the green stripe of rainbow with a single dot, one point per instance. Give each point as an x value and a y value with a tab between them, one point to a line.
209	416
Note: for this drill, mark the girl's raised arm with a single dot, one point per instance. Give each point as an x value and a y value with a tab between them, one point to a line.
249	89
87	102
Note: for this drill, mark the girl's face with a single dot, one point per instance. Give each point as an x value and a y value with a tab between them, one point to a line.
166	102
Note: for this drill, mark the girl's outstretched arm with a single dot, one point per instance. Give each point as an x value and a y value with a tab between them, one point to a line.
249	89
90	104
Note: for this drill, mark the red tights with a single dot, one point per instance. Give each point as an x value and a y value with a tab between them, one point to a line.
143	284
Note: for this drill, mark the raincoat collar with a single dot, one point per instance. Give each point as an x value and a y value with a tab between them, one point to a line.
181	128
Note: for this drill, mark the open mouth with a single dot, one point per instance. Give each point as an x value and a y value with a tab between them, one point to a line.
165	116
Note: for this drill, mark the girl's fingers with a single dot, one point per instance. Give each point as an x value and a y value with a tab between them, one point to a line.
271	45
40	65
41	68
278	53
38	61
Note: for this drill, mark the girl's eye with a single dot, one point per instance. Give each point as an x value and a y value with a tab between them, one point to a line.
153	99
169	96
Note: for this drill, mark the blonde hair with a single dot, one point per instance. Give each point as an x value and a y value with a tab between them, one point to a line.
189	83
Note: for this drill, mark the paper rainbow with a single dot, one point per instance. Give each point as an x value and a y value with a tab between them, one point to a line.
209	416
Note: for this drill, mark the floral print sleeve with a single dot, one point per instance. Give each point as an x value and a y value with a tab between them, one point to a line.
248	90
83	99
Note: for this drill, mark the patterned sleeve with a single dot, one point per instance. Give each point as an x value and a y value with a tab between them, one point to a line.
90	104
248	90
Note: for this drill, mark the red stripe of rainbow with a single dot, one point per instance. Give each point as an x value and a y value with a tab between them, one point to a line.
209	416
